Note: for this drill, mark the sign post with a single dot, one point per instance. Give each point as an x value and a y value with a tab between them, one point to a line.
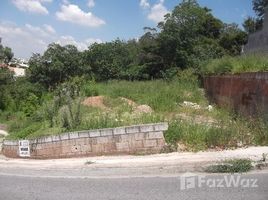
24	148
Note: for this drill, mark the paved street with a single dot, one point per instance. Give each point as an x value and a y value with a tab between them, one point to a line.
149	177
168	188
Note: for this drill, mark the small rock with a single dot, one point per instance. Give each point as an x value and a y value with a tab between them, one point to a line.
210	108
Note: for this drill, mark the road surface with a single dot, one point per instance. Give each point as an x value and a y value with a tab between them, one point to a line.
147	188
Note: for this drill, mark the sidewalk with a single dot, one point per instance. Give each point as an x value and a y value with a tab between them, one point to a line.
160	164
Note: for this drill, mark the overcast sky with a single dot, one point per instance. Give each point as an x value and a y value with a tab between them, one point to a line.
28	26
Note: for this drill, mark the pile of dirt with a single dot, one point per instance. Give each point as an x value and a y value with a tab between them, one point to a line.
137	108
143	109
129	102
98	102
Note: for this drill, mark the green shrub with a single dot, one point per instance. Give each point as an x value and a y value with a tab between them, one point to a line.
29	106
231	166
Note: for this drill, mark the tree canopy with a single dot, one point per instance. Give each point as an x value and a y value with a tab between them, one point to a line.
6	54
252	24
189	36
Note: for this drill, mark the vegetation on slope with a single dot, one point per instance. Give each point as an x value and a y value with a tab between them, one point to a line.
239	64
159	70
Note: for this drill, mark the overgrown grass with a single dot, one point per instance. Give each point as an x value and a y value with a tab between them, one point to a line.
239	64
189	126
161	95
231	166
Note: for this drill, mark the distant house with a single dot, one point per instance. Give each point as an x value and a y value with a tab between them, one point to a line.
17	66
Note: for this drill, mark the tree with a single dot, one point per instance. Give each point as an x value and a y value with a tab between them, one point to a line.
232	39
150	59
188	30
58	64
6	54
250	25
6	79
259	8
111	60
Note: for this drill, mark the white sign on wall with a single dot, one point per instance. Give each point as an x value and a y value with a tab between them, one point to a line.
24	148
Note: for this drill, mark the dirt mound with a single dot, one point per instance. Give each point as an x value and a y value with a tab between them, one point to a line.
96	102
129	102
137	108
143	109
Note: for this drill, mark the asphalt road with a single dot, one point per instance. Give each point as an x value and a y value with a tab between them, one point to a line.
150	188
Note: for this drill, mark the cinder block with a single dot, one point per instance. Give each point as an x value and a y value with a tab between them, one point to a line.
83	134
38	147
124	138
106	132
161	142
73	135
66	149
161	127
150	143
75	148
139	136
98	149
94	140
136	145
10	143
122	146
132	129
116	138
33	141
48	139
86	148
41	140
79	141
155	135
120	131
146	128
56	151
101	140
65	136
109	147
94	133
64	143
55	138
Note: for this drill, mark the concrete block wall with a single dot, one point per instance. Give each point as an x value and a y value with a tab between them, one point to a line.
245	93
139	139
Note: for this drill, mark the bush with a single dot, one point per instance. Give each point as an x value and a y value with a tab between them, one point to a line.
231	166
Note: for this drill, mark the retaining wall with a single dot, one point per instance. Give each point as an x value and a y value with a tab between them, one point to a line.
140	139
246	93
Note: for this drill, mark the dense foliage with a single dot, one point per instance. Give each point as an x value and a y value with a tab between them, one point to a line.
6	54
252	24
188	36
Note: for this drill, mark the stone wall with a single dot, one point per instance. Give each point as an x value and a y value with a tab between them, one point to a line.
140	139
246	93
